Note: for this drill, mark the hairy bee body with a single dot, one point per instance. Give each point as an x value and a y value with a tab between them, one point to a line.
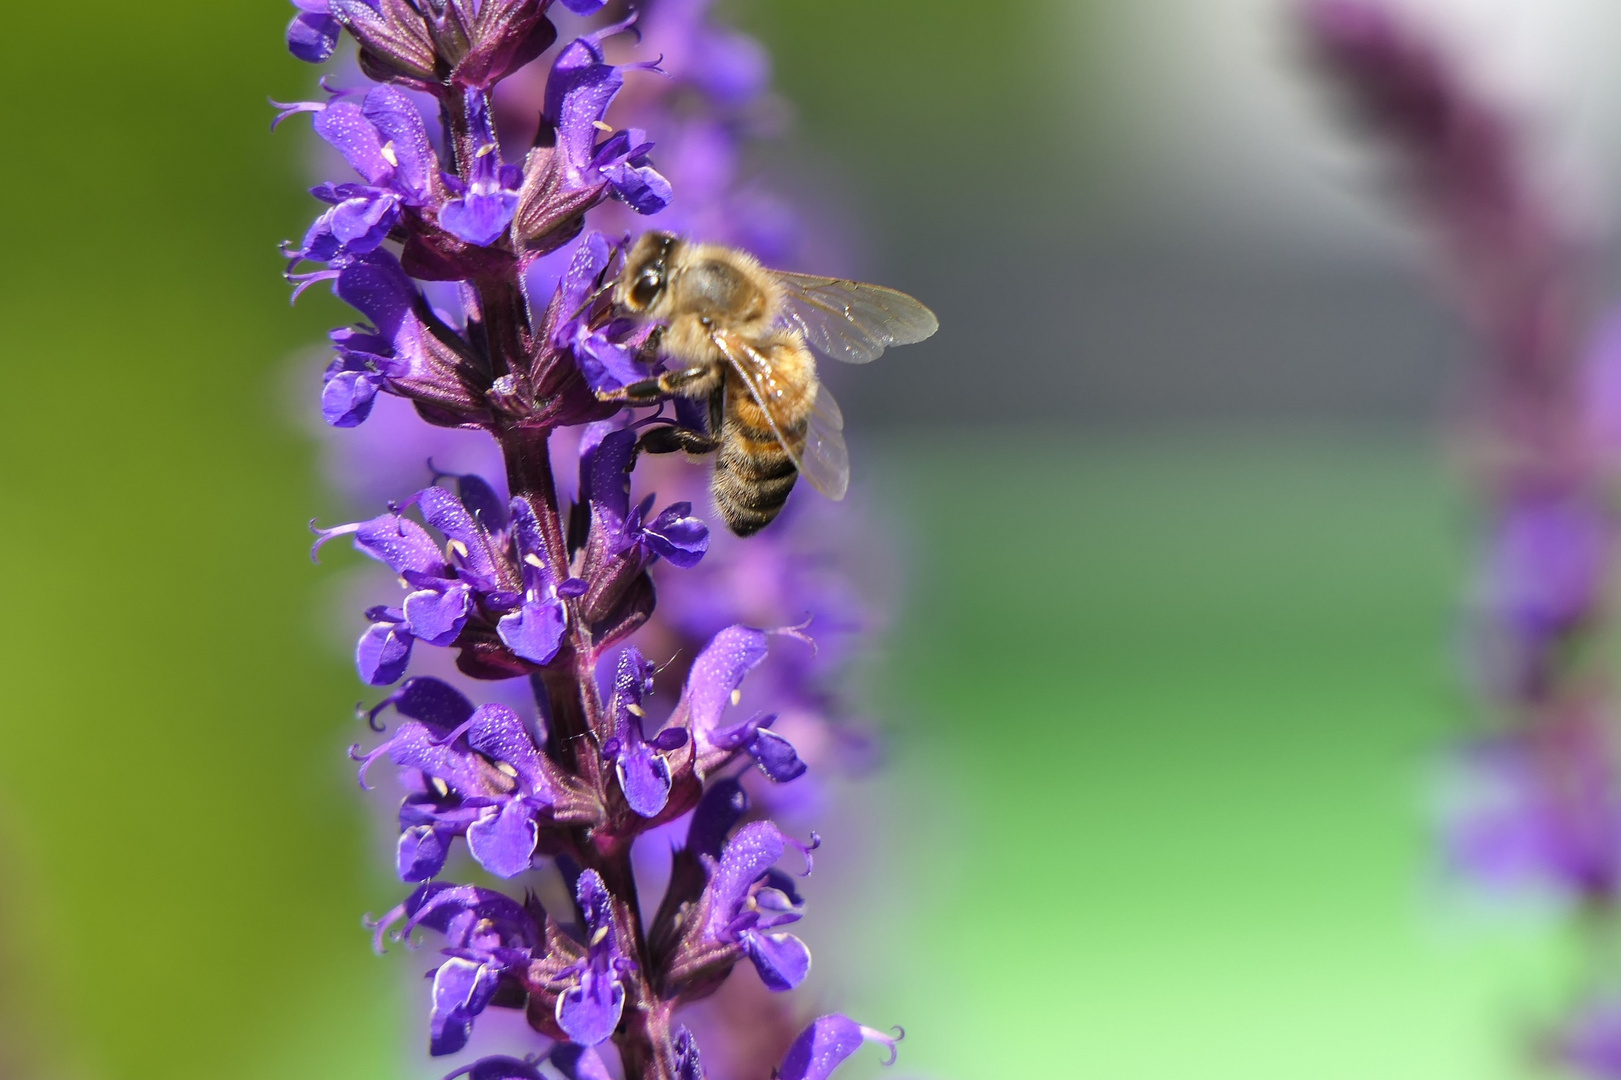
739	333
754	464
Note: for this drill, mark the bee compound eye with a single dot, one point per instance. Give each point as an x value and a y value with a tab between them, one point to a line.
646	289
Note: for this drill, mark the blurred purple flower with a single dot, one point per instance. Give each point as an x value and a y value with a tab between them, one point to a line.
1540	810
1590	1042
1541	806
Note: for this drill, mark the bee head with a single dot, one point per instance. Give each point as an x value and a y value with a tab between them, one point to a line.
647	271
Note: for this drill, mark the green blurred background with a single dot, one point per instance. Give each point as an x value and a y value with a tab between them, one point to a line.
1162	699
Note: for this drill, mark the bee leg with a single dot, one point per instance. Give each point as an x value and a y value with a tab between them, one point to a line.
669	439
645	392
689	382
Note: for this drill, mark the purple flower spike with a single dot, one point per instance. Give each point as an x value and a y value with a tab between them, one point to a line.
589	1010
827	1043
485	300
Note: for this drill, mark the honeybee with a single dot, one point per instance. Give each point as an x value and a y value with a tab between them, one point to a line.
743	335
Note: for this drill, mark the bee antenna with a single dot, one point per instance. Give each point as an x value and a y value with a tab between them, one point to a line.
593	298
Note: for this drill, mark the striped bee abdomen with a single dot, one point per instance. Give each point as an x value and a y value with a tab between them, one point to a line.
753	474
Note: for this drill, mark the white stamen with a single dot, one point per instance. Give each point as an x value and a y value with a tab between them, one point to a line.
503	767
534	560
459	548
388	154
487	148
635	709
737	696
440	788
602	932
600	126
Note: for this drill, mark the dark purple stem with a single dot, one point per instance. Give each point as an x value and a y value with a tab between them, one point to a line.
566	693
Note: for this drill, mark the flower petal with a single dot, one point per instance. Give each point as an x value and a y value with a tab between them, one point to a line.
535	631
479	218
438	615
421	853
461	989
824	1046
589	1013
499	1067
717	672
503	841
678	536
578	1062
312	35
644	777
383	653
432	701
776	756
782	960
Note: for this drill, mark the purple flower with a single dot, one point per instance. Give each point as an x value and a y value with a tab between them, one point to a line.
490	940
713	685
407	351
606	453
589	1010
826	1044
1546	563
491	591
477	42
571	171
384	140
472	772
641	766
484	205
1590	1042
313	33
619	542
744	902
606	351
1541	809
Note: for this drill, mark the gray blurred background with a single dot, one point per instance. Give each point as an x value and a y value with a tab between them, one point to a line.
1143	211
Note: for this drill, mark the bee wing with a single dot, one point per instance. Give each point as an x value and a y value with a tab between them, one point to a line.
824	461
850	320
